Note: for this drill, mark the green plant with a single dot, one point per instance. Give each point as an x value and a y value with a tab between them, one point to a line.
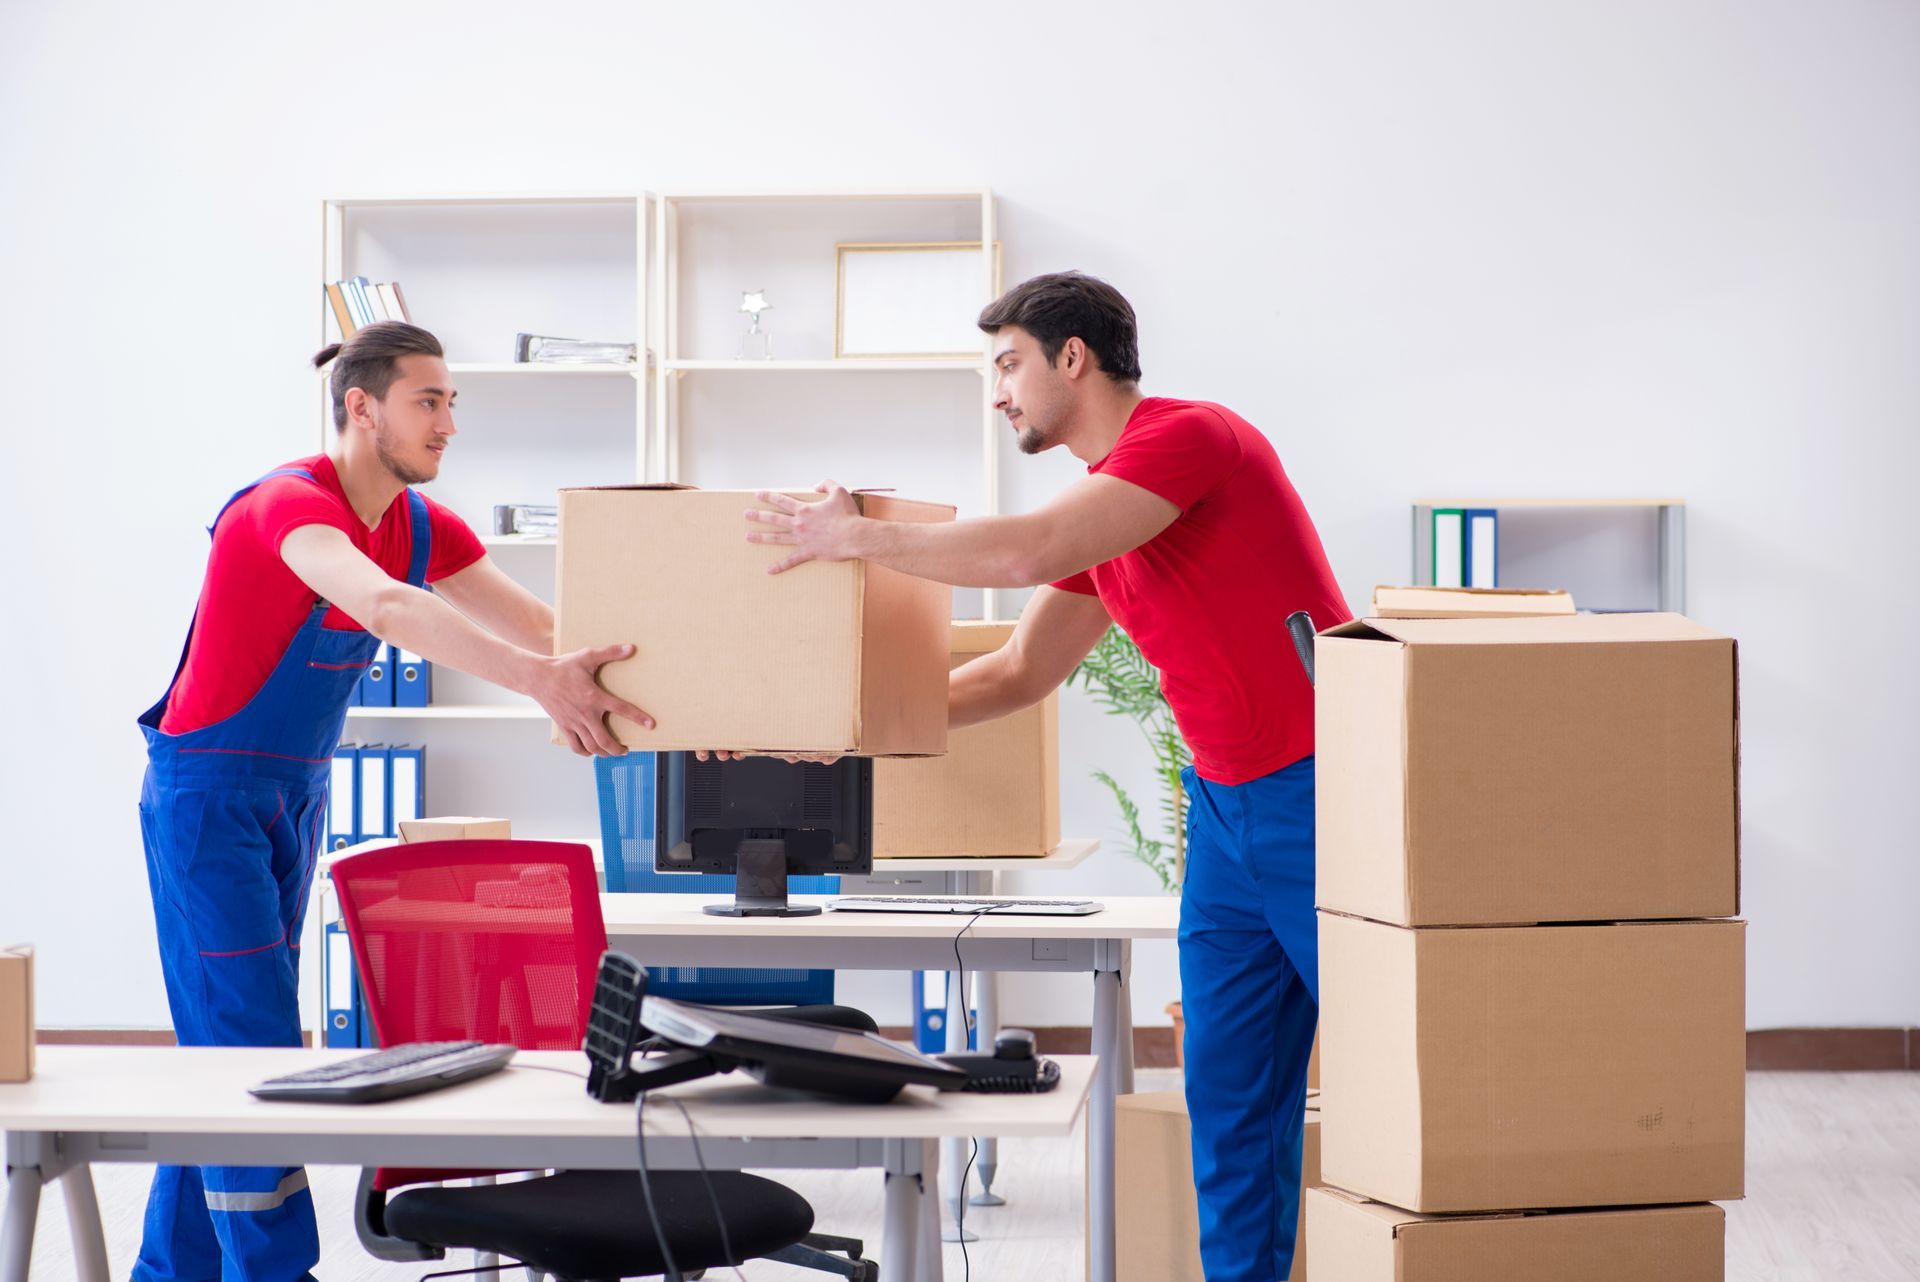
1121	680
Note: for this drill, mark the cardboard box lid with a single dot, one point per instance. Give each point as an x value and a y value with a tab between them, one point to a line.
1404	1224
1578	629
870	501
1390	602
975	636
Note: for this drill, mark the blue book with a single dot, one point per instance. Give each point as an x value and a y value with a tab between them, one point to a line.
408	784
376	684
343	797
343	992
930	1013
412	680
376	809
1480	557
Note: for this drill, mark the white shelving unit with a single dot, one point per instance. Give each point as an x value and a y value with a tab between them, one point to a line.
452	712
1608	522
675	256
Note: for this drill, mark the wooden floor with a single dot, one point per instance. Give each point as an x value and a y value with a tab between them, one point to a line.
1833	1195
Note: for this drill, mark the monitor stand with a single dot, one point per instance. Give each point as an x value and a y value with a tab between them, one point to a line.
760	883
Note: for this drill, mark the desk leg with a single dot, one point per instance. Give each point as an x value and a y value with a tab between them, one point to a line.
953	1151
906	1164
83	1220
1106	1029
23	1211
986	986
1126	1017
928	1265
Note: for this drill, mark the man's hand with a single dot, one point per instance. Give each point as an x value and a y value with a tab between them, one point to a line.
825	530
566	687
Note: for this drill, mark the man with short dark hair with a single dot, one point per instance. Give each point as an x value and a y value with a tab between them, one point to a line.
1187	533
312	566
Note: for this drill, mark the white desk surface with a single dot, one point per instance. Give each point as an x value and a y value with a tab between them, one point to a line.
1070	853
203	1091
1124	917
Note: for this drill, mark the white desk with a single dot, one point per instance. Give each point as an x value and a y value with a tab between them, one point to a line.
190	1106
671	930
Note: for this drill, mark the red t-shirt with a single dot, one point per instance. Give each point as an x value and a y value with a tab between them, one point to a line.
251	604
1207	598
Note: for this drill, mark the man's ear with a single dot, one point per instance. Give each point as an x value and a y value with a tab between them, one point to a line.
1074	358
356	402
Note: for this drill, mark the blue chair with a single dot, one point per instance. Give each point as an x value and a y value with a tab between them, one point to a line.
626	837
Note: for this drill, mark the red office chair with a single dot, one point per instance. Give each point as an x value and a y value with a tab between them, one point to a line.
499	941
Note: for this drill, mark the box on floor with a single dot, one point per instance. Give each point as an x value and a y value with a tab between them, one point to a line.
1500	1068
1156	1216
1357	1240
1513	770
995	794
833	657
16	1013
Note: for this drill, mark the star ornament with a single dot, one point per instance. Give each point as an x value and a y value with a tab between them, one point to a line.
754	301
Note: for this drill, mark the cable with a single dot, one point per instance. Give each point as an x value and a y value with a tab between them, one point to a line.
733	1261
551	1068
646	1187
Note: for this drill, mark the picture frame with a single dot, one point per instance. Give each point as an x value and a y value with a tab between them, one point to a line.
910	301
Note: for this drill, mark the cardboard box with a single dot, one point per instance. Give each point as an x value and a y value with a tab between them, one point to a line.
456	828
1156	1215
1356	1240
1456	603
16	1013
840	657
996	794
1481	771
1517	1068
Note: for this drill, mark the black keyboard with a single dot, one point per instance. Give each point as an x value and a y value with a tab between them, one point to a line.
409	1069
999	905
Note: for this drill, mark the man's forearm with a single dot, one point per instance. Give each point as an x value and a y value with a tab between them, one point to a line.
982	552
987	689
421	622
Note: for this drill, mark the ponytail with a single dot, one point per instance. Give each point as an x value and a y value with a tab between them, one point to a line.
325	354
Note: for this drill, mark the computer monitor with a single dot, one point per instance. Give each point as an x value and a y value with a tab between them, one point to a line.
762	819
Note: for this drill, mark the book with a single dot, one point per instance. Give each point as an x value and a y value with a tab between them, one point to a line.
1449	548
400	301
542	349
338	301
390	302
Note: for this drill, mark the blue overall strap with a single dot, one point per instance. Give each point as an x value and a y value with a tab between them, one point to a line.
245	490
421	528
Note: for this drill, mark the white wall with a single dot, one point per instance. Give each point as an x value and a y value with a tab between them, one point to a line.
1648	247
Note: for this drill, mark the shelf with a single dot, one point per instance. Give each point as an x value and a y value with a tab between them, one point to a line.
629	368
977	365
455	712
1550	503
519	541
816	197
483	198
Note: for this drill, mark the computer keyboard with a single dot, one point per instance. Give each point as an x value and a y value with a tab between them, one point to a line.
965	905
389	1074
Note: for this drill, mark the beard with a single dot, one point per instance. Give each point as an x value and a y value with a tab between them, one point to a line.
1031	440
383	449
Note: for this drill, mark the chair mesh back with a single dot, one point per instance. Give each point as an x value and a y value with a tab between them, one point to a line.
497	941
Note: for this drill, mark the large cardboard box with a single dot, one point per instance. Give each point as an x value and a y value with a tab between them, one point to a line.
1514	1068
16	1013
1156	1215
1356	1240
995	794
1580	768
837	657
455	828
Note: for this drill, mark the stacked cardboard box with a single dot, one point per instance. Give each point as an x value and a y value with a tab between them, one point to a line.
996	794
1532	986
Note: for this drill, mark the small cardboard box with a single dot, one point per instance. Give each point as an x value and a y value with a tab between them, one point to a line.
1458	603
1156	1215
1516	1068
455	828
1356	1240
16	1013
835	657
995	794
1488	771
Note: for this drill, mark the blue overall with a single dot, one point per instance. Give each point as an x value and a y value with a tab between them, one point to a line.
230	815
1250	989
